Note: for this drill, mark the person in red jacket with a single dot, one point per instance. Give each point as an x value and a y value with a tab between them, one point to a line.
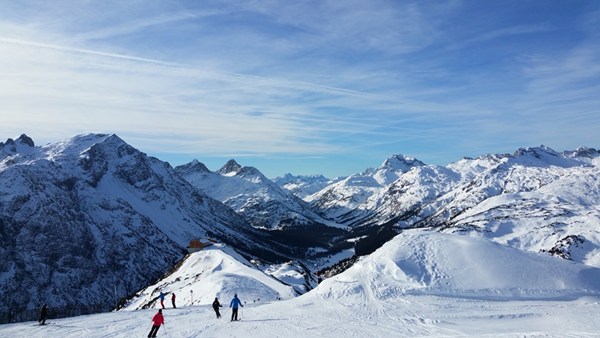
157	321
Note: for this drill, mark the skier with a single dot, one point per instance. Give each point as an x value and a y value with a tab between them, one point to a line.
157	321
43	314
173	300
216	306
162	299
235	302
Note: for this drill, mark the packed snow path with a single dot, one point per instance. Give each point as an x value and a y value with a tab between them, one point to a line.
409	316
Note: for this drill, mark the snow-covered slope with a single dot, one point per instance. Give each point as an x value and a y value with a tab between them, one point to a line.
305	185
420	284
535	200
347	200
420	261
250	193
90	219
215	271
414	189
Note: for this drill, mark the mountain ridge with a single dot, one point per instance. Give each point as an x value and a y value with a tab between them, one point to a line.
92	210
78	215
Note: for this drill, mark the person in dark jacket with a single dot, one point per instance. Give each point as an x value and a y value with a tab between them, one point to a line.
216	306
235	302
157	321
43	314
162	299
173	300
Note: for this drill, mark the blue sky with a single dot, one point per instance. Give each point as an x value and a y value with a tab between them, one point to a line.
306	87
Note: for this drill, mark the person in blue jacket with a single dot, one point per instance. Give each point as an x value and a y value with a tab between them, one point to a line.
235	302
162	299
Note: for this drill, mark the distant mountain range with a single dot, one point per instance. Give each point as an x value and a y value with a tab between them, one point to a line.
90	219
535	199
305	185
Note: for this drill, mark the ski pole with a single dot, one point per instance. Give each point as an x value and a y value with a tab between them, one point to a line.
165	328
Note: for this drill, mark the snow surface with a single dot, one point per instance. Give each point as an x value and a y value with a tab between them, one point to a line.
203	275
304	185
420	284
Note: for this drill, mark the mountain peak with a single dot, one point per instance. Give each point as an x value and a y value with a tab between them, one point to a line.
304	185
24	139
193	167
79	144
544	155
583	152
15	146
538	152
401	162
394	166
231	167
249	171
290	178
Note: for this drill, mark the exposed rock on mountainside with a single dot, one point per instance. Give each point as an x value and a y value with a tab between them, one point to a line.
287	218
91	219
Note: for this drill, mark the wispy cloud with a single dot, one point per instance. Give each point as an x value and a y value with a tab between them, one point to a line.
134	94
138	25
298	79
509	32
71	50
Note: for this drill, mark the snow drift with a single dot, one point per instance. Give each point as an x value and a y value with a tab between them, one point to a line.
430	262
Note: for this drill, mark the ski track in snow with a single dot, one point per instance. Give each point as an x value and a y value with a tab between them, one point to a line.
420	284
413	316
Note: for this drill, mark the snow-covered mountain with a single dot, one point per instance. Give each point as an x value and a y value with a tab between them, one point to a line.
263	203
90	219
305	185
348	200
535	199
250	193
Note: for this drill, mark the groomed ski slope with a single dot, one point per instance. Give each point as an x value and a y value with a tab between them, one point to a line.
420	284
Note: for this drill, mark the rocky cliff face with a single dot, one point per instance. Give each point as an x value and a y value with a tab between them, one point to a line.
91	219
